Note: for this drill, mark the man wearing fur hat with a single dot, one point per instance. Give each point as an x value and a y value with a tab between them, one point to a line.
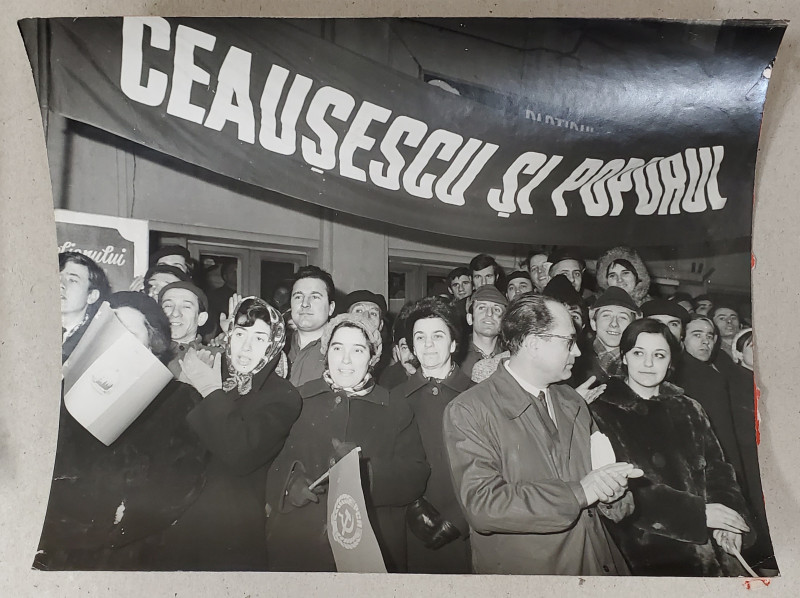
186	307
485	310
610	315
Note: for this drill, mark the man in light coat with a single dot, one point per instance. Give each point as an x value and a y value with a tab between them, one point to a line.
519	451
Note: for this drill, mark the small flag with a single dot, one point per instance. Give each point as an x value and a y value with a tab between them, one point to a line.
354	545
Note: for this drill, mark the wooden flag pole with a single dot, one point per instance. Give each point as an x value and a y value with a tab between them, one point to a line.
325	475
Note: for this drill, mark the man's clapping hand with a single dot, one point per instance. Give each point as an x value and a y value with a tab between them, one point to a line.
608	483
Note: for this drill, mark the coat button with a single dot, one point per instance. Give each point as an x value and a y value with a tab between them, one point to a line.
591	513
337	400
606	569
435	390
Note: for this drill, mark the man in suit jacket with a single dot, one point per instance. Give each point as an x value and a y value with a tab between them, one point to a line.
519	451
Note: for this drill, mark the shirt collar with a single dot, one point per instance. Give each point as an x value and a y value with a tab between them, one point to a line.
529	388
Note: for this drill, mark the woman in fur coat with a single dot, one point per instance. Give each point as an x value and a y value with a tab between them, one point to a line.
689	516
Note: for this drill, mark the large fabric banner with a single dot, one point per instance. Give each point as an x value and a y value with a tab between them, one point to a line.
269	104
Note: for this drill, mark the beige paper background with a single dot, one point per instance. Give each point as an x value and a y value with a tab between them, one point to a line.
29	340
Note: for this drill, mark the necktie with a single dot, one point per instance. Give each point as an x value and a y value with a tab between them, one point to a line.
541	406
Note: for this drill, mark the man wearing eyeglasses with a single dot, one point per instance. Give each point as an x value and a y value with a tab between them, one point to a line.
485	310
519	452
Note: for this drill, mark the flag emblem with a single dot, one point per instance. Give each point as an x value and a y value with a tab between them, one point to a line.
346	522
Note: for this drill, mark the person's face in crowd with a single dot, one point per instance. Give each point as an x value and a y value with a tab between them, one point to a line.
572	270
517	287
482	277
485	318
704	307
178	261
647	362
311	306
249	345
229	274
433	343
135	322
622	277
370	311
183	311
539	269
75	293
158	281
674	324
747	354
553	353
404	356
348	356
577	317
699	341
727	322
609	322
461	287
687	306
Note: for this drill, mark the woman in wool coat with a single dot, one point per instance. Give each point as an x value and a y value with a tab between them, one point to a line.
342	410
438	538
689	516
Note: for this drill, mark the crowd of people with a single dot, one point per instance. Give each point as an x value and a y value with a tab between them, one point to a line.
476	413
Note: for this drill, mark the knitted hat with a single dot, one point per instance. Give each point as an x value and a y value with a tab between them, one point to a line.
358	321
615	296
663	307
189	286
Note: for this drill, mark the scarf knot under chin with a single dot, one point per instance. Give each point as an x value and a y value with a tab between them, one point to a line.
359	390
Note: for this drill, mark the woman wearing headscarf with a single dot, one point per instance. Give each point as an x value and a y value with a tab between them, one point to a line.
622	267
243	420
438	542
689	517
342	410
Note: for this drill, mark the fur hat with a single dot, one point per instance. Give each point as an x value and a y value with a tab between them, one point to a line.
639	293
358	321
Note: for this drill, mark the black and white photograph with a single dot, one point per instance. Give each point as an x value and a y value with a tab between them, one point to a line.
450	296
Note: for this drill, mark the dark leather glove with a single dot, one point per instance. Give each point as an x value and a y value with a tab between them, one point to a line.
297	492
427	524
446	533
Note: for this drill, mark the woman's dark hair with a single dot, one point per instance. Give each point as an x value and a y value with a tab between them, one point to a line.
649	326
251	310
625	264
98	281
433	307
155	320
